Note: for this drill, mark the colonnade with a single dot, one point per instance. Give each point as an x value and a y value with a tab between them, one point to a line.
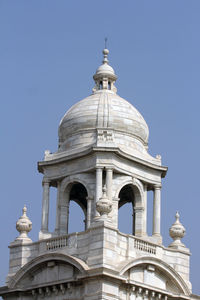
140	213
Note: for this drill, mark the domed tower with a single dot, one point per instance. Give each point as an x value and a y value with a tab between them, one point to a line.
102	163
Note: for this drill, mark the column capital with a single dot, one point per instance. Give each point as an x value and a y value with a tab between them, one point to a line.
157	186
145	185
89	198
46	181
98	168
109	168
58	183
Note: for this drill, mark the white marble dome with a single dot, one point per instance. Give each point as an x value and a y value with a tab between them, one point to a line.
106	112
102	110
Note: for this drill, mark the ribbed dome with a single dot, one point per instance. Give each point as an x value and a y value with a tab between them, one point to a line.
104	118
102	110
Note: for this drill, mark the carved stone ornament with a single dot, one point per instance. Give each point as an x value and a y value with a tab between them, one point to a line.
24	225
177	232
104	205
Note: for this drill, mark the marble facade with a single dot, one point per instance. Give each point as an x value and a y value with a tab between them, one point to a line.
102	163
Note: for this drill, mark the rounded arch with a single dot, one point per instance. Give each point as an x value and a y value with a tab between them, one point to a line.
137	188
77	189
163	266
76	262
132	191
72	179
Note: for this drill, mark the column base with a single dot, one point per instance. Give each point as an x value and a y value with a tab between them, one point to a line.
44	235
157	238
99	220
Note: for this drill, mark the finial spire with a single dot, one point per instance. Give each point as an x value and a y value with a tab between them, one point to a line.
106	42
105	56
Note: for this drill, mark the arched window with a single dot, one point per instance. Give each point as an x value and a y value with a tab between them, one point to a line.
109	85
126	213
101	85
77	208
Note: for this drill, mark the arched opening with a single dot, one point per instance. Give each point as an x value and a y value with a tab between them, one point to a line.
77	220
126	212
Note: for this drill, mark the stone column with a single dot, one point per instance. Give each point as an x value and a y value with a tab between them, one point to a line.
89	212
63	220
58	208
98	194
115	211
156	211
45	205
138	221
145	211
109	177
67	215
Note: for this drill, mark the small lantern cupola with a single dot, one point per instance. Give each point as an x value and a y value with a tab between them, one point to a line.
105	75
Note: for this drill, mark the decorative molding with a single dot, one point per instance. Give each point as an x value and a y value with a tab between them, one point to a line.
105	135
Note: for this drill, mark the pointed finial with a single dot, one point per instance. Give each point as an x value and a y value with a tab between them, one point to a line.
177	216
106	42
24	210
105	53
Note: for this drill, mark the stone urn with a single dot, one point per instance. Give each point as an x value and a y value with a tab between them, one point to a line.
104	205
177	232
24	226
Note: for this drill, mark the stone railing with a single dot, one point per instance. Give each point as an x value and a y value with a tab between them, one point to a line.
61	242
144	246
56	243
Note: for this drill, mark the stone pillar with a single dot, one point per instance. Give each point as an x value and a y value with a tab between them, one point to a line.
45	205
67	216
139	221
99	178
89	211
145	211
115	211
64	213
109	177
58	208
156	211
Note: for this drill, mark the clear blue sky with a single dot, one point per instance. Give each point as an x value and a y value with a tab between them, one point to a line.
48	54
